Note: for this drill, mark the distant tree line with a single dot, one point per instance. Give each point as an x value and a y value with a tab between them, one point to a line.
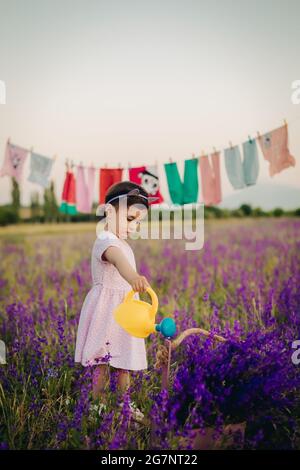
47	210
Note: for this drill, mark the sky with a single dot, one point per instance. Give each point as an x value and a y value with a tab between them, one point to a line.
142	81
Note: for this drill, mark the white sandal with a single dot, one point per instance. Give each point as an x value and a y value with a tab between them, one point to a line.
97	408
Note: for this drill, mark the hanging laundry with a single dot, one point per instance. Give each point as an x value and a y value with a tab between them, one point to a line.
190	182
234	167
174	182
14	160
274	146
82	196
68	204
108	177
250	162
186	192
90	186
40	168
211	179
147	177
240	172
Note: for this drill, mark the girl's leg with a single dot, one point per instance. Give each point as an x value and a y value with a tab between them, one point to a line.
123	384
100	380
123	381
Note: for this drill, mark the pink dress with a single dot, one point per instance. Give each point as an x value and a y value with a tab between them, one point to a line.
97	326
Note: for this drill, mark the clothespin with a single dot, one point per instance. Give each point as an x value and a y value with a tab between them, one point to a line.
193	155
285	123
249	138
72	164
129	165
258	134
170	160
214	149
230	143
67	164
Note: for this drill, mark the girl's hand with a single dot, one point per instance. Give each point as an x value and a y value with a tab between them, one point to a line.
139	283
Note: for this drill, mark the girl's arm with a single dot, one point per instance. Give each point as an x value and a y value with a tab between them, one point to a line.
114	255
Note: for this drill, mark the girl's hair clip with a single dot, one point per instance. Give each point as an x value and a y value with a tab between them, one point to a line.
152	198
136	192
133	192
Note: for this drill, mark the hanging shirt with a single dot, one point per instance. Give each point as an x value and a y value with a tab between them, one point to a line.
211	179
274	146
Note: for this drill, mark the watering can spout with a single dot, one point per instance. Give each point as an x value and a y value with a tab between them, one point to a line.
166	327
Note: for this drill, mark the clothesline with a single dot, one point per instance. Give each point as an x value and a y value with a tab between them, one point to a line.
72	164
241	172
170	158
29	150
242	169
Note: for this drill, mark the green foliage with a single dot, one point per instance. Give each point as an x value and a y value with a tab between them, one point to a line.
246	209
35	208
48	211
50	208
278	212
8	215
15	194
297	212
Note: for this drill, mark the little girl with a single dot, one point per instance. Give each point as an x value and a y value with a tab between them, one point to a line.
114	274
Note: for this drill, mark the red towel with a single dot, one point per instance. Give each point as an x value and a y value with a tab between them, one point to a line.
68	204
108	177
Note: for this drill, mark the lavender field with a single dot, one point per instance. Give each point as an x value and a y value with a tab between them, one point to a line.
244	285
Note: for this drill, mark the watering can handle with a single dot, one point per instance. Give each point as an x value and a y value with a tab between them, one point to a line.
152	294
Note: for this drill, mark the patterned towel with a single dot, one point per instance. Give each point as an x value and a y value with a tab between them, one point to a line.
40	168
147	177
14	161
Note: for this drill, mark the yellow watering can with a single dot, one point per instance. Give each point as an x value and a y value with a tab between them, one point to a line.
138	317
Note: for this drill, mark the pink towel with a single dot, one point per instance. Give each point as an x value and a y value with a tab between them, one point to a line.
211	179
274	146
14	161
90	186
82	195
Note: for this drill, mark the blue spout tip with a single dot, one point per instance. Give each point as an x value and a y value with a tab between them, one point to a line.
167	327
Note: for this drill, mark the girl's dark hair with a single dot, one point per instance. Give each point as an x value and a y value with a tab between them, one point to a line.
124	187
